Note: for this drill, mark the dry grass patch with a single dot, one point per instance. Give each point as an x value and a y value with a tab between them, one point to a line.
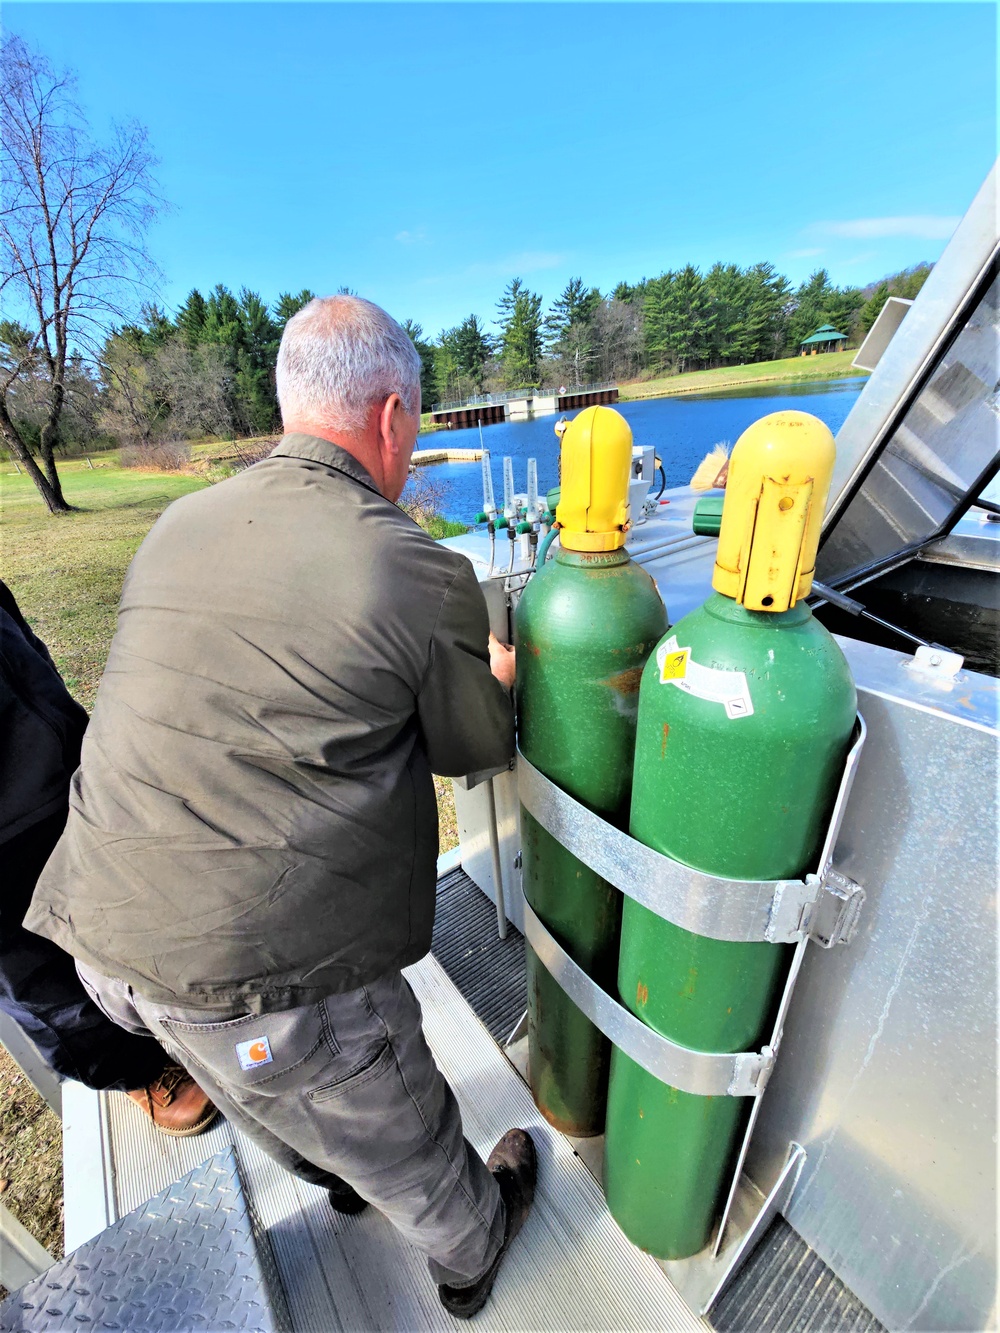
447	819
30	1158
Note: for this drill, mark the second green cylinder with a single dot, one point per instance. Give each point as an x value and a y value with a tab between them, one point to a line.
585	626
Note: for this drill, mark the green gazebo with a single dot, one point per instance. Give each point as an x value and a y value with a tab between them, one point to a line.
826	339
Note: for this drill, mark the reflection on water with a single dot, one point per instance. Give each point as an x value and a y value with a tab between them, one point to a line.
681	429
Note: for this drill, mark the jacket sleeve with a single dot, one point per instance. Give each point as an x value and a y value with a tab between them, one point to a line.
465	714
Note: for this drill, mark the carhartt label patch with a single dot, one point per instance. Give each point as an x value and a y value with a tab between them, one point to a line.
253	1053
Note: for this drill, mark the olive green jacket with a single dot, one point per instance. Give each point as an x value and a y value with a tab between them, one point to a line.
254	818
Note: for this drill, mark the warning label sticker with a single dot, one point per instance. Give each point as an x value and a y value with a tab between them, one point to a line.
728	688
673	665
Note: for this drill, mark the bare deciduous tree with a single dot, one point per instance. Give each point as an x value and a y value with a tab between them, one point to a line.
74	217
168	392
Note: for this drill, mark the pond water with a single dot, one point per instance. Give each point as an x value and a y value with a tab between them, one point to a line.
682	430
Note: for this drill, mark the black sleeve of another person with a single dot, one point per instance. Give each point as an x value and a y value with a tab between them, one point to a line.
41	729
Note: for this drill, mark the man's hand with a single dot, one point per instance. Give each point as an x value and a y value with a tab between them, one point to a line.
502	661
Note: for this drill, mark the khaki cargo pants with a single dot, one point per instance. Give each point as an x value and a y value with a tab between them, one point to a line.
346	1086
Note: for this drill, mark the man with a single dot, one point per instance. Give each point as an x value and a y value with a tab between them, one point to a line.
41	727
251	851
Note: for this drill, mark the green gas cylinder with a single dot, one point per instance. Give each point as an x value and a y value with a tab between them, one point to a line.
745	717
584	627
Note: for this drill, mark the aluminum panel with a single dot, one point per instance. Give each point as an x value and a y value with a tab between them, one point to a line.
887	1074
935	457
927	327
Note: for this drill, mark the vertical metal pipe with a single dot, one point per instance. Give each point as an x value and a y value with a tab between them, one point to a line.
491	801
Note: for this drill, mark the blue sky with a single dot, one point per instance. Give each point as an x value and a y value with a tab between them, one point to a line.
425	154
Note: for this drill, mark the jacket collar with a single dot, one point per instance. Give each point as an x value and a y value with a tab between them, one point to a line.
298	445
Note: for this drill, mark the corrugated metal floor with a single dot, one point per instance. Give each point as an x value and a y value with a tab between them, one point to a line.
787	1288
487	970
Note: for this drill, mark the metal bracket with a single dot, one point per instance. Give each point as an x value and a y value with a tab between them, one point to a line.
833	917
703	1073
824	908
775	911
934	661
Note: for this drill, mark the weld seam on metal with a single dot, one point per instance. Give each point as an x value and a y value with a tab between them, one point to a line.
702	1073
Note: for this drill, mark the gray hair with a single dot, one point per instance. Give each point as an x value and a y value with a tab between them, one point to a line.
338	356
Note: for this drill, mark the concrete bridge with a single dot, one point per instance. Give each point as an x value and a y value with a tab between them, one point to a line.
521	404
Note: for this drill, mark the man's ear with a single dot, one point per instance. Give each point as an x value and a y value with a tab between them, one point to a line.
388	443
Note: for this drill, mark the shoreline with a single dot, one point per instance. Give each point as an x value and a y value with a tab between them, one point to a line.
733	384
786	370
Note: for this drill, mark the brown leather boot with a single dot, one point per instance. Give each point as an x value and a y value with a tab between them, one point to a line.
175	1103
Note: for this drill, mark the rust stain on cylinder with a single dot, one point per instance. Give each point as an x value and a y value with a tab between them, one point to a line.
626	682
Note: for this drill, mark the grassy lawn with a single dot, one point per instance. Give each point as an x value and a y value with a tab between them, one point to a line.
830	365
67	572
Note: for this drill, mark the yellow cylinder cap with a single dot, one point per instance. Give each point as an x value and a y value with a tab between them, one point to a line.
779	476
593	512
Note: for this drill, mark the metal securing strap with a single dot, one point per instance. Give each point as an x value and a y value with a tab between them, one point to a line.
704	1073
776	911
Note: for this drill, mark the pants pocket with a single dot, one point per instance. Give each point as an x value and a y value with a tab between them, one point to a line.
380	1064
267	1054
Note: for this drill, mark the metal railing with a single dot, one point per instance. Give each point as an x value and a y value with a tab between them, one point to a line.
528	391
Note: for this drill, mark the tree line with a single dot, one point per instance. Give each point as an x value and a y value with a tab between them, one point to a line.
681	320
76	365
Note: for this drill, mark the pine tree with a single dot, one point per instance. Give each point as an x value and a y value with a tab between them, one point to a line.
763	331
810	307
626	293
447	375
689	333
256	356
727	291
473	349
575	306
428	387
288	305
190	319
520	319
818	302
657	310
872	308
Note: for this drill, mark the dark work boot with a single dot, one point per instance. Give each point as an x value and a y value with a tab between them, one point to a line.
515	1166
344	1199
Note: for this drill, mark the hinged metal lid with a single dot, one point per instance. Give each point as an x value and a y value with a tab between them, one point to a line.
923	439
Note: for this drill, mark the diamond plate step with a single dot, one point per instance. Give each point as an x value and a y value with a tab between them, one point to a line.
187	1260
